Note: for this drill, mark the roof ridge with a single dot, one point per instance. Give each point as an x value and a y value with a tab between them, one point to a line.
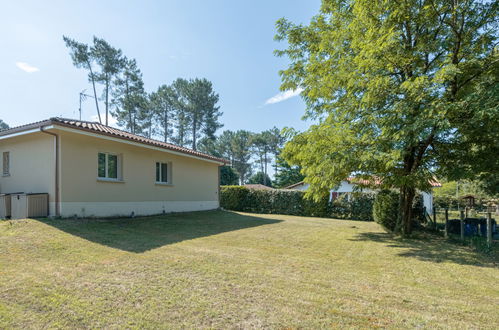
102	129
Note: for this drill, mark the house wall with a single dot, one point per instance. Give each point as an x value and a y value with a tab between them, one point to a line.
194	182
347	187
428	202
32	165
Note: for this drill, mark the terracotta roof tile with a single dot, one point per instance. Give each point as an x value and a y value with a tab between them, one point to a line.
98	128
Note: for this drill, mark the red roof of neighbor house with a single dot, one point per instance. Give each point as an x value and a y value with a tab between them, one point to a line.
377	181
101	129
258	186
294	185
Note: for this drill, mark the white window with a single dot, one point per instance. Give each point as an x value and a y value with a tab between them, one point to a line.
6	163
162	173
109	166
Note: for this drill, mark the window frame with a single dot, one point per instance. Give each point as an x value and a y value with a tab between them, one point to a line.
106	177
6	169
168	181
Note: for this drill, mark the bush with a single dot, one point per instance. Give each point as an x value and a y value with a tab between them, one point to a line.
362	207
233	197
418	209
385	209
292	202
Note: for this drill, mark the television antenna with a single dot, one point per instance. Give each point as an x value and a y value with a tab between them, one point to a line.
83	97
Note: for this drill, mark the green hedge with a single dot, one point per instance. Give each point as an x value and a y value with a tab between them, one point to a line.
385	209
292	202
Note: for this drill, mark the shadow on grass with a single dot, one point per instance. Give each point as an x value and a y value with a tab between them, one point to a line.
142	234
436	249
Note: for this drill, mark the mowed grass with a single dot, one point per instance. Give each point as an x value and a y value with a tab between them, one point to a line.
233	270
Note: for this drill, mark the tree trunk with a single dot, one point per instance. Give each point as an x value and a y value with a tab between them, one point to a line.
194	129
265	172
107	100
127	105
95	92
165	124
404	226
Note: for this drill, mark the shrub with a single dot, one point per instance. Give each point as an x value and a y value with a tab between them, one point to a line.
292	202
418	209
362	207
385	209
233	197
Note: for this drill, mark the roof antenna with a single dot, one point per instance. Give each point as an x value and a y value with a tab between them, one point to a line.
83	97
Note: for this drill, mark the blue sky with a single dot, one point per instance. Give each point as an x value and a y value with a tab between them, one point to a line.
228	42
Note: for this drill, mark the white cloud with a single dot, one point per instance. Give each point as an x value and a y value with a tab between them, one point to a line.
283	96
112	121
26	67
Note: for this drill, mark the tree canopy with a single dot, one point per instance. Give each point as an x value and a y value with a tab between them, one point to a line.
399	91
3	125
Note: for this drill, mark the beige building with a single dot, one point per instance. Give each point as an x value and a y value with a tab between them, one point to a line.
89	169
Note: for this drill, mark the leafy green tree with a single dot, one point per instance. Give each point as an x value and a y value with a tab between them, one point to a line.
398	90
82	58
489	183
286	174
111	62
3	125
260	178
228	176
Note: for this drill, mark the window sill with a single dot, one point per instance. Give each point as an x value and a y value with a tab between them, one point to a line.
5	175
110	180
163	184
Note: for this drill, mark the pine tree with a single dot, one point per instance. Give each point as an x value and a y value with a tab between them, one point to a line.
110	62
129	98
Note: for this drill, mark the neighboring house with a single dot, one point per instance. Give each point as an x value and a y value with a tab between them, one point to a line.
258	186
89	169
348	186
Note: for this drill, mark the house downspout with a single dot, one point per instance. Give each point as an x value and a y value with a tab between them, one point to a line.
219	176
57	206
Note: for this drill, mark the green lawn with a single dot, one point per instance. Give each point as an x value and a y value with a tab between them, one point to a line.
223	269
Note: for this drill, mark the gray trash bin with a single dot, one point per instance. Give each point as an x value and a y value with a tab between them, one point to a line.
29	205
4	206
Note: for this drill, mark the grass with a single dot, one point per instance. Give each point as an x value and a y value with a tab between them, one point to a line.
234	270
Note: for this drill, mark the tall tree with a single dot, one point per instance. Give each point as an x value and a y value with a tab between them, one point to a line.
129	98
3	125
82	58
163	104
262	145
260	178
394	86
241	153
182	112
202	108
209	146
228	176
110	62
286	174
224	145
276	143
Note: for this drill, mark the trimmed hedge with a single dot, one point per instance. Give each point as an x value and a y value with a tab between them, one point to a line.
385	209
292	202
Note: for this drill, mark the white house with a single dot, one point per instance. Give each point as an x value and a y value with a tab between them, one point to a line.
348	186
